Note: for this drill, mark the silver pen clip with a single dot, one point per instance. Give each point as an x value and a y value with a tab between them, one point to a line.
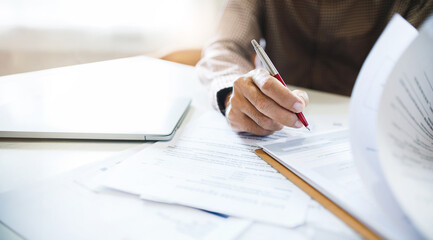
264	58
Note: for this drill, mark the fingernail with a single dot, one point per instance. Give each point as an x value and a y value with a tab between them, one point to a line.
298	107
303	95
298	124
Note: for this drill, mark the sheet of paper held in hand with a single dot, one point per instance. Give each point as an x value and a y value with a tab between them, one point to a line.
209	166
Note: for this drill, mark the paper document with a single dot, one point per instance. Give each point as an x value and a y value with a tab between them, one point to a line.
325	162
405	133
61	208
320	224
211	167
391	135
364	105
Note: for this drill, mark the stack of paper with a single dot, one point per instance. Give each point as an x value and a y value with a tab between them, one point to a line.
207	167
391	136
64	208
393	142
213	168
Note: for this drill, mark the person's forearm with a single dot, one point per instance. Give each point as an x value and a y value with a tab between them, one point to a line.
229	55
221	65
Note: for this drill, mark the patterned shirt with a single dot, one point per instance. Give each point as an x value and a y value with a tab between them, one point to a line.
314	44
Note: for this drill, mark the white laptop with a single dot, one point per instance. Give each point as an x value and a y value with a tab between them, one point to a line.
136	98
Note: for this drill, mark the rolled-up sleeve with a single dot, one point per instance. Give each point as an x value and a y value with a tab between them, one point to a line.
229	55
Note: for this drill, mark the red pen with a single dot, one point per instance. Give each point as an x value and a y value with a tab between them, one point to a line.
273	71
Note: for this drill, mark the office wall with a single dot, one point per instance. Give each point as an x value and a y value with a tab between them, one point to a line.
40	34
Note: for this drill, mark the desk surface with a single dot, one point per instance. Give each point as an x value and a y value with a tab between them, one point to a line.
26	161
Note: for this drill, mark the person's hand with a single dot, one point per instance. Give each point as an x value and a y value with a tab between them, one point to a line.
261	105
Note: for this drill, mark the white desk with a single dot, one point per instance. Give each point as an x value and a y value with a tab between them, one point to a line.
26	161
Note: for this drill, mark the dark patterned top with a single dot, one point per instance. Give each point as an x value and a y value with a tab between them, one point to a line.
314	44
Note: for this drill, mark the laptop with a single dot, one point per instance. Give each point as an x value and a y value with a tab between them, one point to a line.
137	98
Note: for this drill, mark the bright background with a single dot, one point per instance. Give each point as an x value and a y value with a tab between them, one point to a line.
39	34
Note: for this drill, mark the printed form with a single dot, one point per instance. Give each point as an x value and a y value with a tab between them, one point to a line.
210	167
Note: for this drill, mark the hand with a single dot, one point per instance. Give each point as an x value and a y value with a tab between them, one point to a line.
261	105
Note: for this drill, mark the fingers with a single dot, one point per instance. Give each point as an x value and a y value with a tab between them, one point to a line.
251	111
261	105
242	123
266	106
272	88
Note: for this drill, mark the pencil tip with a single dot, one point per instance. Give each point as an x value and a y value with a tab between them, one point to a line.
307	128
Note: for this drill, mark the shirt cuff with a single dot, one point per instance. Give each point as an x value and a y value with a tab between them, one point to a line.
221	98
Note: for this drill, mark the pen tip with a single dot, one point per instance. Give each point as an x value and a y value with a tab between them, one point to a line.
307	128
254	43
